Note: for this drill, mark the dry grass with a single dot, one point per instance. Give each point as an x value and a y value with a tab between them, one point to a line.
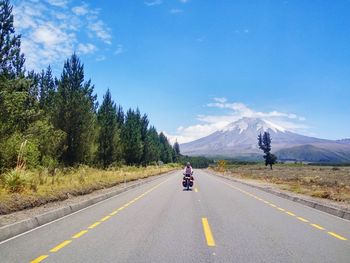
318	181
24	189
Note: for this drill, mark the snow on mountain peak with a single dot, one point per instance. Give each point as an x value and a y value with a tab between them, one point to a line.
253	123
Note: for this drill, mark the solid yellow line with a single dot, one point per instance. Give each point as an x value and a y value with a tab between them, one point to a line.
302	219
290	213
80	234
208	234
266	202
62	245
318	227
196	190
281	209
105	218
39	259
273	205
94	225
337	236
113	213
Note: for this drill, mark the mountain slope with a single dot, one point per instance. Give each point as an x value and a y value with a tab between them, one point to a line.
239	140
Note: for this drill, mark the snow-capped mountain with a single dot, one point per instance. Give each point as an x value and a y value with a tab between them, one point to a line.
239	140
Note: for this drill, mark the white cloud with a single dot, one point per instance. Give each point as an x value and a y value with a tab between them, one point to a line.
175	11
59	3
154	3
81	10
119	50
207	124
86	48
51	31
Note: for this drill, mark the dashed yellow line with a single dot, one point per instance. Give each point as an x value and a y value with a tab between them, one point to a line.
60	246
83	232
39	259
290	213
303	219
105	218
94	225
207	232
287	212
337	236
317	226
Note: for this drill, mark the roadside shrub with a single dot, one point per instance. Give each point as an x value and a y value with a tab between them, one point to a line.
15	181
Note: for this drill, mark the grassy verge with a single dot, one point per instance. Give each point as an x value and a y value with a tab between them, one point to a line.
318	181
24	189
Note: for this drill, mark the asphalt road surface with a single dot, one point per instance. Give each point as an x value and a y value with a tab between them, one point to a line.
219	221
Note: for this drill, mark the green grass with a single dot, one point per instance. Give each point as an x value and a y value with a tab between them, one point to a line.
24	189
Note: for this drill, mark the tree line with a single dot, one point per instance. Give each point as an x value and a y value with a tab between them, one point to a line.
53	121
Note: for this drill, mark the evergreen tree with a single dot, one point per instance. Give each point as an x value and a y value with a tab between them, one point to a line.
264	142
152	146
166	151
108	138
47	89
11	58
176	148
120	116
131	137
75	112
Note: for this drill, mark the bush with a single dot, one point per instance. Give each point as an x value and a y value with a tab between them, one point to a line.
15	181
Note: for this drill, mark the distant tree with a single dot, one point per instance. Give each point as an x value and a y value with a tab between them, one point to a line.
264	142
152	146
75	110
47	88
11	58
176	148
166	151
108	137
131	138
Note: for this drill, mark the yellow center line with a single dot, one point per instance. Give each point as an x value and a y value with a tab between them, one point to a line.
273	205
114	213
207	232
94	225
337	236
39	259
290	213
105	218
266	202
317	226
281	209
80	234
303	219
60	246
196	190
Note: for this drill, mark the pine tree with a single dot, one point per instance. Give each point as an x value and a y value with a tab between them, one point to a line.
177	154
108	138
11	58
75	112
264	142
152	146
131	137
166	151
47	89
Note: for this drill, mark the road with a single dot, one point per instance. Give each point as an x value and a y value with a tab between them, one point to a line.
219	221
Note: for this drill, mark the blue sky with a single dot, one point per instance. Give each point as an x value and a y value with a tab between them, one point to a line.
194	66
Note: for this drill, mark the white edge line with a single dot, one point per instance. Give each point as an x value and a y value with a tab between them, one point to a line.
58	219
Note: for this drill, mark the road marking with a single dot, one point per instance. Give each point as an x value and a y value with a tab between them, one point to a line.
94	225
317	226
60	246
287	212
113	213
196	190
303	219
337	236
39	259
105	218
80	234
290	213
207	232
